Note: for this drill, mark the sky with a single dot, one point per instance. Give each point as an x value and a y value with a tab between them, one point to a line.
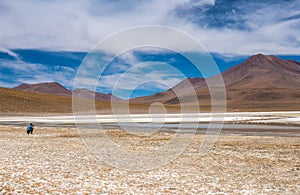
63	31
223	26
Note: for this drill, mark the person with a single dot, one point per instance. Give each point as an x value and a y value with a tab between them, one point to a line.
29	128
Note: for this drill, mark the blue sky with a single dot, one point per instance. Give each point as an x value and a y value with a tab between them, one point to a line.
44	41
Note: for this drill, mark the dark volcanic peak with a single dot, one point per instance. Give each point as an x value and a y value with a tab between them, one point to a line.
52	88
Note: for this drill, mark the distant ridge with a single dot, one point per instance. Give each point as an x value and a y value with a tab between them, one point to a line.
89	94
54	88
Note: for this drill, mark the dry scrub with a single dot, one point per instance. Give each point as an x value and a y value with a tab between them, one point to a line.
55	161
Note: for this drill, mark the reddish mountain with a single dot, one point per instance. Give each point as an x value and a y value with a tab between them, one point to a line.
259	71
54	88
258	81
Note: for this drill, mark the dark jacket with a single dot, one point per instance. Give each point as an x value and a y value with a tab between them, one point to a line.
29	128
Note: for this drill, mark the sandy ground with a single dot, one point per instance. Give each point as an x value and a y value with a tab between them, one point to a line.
55	161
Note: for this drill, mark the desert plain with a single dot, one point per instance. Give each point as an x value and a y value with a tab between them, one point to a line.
55	160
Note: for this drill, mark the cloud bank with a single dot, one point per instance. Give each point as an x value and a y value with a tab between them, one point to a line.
227	27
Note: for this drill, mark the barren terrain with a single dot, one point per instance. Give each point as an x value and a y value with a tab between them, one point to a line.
55	161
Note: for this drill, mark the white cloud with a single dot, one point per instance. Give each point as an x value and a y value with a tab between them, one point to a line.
22	67
149	76
198	3
22	72
129	57
7	84
9	52
74	25
79	25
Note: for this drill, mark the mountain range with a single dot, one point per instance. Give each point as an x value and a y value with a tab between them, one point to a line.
262	82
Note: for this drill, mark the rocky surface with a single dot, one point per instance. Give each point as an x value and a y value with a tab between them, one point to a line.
55	161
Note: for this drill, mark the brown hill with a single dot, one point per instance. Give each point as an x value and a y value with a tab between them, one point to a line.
31	103
18	102
260	83
54	88
51	88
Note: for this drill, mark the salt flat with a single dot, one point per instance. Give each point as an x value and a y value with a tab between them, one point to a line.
54	160
262	158
288	117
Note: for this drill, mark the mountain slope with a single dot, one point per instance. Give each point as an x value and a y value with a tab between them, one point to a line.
17	101
51	88
258	71
261	71
259	82
14	101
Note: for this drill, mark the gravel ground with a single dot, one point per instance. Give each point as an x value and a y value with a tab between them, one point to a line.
55	161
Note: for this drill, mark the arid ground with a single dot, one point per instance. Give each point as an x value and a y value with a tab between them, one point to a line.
54	160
